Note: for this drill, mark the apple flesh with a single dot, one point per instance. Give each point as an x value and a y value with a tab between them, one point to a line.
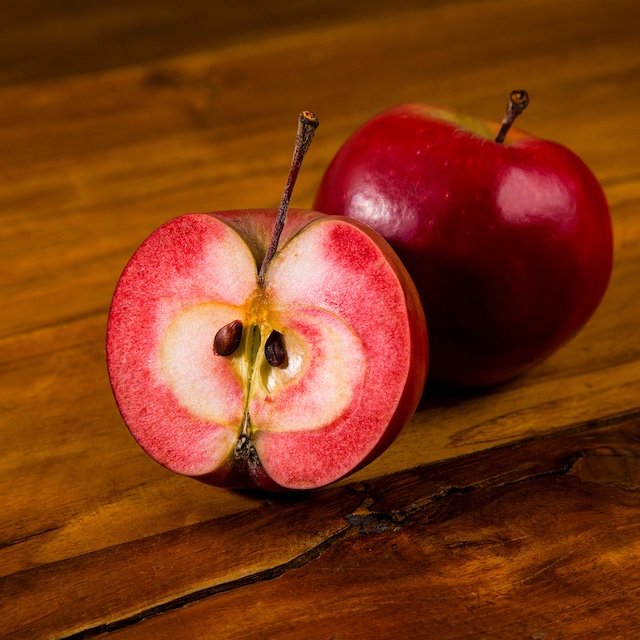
323	358
510	245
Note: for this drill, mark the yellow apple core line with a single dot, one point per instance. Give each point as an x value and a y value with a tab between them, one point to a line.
243	391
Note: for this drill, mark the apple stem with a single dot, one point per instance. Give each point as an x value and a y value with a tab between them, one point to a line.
307	125
518	102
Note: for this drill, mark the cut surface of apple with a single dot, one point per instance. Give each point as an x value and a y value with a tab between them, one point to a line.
335	304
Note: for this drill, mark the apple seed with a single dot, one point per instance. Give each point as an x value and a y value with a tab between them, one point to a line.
274	349
227	339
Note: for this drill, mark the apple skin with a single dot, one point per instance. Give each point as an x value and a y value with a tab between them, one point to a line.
353	328
510	245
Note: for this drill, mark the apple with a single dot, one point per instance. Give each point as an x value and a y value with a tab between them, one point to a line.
508	239
280	349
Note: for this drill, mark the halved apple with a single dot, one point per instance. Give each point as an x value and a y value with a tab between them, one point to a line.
290	372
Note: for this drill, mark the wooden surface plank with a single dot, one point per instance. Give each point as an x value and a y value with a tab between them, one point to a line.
117	116
83	37
544	540
546	546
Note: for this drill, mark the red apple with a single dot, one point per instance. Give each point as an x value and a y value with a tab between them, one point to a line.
508	242
266	348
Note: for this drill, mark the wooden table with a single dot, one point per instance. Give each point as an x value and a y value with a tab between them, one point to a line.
507	513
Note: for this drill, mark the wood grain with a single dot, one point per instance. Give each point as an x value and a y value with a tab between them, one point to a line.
465	550
502	513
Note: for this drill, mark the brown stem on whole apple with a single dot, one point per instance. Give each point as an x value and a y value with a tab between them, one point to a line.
227	339
307	125
518	102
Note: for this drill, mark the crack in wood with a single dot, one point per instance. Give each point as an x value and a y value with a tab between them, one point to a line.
360	521
608	466
26	538
368	521
190	598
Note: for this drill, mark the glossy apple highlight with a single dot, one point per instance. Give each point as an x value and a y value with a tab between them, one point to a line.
507	237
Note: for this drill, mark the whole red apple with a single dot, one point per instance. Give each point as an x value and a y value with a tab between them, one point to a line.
270	348
509	242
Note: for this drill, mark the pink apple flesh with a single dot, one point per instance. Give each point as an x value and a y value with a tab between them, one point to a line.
353	332
510	245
